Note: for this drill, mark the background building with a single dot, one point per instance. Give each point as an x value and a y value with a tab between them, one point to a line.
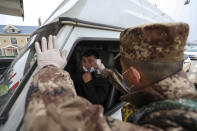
14	38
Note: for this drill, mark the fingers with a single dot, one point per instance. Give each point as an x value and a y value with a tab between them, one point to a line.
37	47
63	54
44	44
50	42
55	42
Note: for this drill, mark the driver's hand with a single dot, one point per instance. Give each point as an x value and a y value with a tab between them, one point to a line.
49	53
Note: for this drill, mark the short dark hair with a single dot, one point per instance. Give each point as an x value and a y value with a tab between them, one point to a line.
91	52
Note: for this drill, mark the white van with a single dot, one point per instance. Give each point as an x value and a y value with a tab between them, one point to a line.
79	25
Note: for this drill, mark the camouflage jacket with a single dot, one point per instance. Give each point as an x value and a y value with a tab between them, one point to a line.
52	104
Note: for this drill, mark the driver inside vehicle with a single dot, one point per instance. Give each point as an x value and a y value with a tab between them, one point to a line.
89	83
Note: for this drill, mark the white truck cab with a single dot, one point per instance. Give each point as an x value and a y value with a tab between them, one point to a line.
79	25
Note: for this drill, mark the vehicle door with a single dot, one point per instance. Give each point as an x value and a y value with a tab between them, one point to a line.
91	38
17	78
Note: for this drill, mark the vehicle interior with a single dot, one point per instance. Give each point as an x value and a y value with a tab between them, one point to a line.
107	51
4	64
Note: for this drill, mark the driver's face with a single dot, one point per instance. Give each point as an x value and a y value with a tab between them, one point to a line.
89	62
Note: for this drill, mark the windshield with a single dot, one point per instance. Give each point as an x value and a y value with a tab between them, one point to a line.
14	74
191	50
12	77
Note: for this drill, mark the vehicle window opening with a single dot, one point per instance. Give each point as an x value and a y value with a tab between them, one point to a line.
107	51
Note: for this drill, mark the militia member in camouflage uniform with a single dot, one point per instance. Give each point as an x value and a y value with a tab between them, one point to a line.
151	60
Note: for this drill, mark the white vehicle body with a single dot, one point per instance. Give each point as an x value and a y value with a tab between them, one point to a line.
125	13
187	63
192	53
76	21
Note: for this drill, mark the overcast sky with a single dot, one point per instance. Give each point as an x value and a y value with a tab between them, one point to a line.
181	13
43	8
33	10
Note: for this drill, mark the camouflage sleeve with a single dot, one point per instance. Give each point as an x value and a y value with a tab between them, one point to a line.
115	79
55	106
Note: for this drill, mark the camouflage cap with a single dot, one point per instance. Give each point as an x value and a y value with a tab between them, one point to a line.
156	42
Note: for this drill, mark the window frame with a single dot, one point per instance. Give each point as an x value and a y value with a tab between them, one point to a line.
15	41
119	105
11	30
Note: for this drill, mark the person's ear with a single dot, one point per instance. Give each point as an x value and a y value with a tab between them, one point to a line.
139	78
135	75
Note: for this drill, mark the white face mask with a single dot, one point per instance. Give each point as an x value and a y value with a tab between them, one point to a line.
92	69
86	70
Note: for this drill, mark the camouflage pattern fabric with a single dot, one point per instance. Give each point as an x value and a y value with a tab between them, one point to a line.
168	104
174	87
52	105
155	42
156	51
180	114
115	79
